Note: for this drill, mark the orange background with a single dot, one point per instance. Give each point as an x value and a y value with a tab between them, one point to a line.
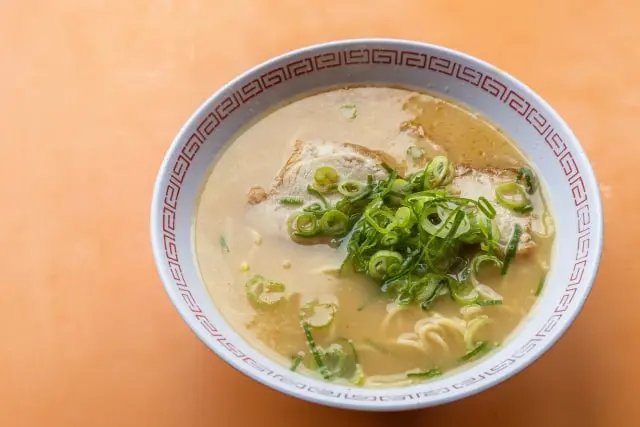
91	95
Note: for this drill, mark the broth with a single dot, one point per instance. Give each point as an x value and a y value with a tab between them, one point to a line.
234	240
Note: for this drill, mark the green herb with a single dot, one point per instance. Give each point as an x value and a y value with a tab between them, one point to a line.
384	263
315	351
263	293
334	223
439	172
315	192
325	176
223	244
303	225
485	206
293	201
318	315
540	285
431	373
489	302
528	179
351	188
512	248
296	361
512	196
481	348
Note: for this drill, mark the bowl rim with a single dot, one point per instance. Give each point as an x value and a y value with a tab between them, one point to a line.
591	269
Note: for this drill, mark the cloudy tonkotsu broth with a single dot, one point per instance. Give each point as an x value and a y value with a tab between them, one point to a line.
376	338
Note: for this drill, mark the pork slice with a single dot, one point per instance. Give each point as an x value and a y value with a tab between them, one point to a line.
473	183
351	161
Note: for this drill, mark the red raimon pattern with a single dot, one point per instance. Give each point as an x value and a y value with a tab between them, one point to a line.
405	58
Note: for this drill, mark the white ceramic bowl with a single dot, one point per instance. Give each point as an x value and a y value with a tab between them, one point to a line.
538	130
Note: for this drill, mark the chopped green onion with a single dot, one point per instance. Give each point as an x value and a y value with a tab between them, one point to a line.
223	244
439	223
401	186
351	188
480	348
358	376
528	179
438	173
458	295
427	289
334	223
512	248
403	217
485	206
315	192
325	176
379	218
317	355
303	224
478	261
384	263
349	111
491	231
334	359
316	208
390	239
264	293
296	361
512	196
424	375
293	201
388	168
489	302
318	315
540	285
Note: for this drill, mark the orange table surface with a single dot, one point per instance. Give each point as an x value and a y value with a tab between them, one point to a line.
91	94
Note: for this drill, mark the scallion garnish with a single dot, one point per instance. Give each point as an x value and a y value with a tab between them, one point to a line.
528	179
223	244
439	172
296	361
512	248
489	302
263	293
318	315
425	375
481	348
384	263
315	351
304	224
540	285
351	188
512	196
334	223
325	176
315	192
485	206
293	201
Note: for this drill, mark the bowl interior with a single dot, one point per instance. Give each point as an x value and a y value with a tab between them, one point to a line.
528	120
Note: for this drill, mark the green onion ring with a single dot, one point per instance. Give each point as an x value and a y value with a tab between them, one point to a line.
334	223
325	176
512	196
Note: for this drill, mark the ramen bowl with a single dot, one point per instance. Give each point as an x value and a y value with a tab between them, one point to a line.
527	119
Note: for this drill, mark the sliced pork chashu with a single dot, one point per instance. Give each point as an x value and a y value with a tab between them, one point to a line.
473	183
351	161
